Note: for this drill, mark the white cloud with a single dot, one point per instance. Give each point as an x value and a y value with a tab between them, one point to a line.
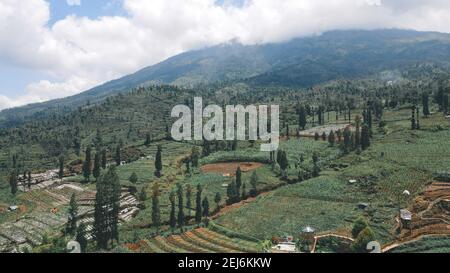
80	53
73	2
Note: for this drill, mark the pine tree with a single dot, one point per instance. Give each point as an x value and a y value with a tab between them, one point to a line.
217	200
173	218
244	191
158	162
104	162
148	140
205	207
316	136
96	170
188	198
133	178
331	138
253	183
339	135
106	209
118	155
445	104
425	104
181	219
358	226
72	216
81	236
283	163
232	193
195	157
316	168
143	194
439	98
413	119
417	118
98	140
347	140
363	238
358	131
188	167
198	205
61	167
365	137
156	214
206	148
302	117
87	164
13	182
238	181
324	136
29	180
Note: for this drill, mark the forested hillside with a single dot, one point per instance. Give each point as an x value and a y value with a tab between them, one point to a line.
301	62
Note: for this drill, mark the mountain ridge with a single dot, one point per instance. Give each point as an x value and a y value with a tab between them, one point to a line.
299	62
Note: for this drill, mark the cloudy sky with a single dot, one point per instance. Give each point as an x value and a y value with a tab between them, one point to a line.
56	48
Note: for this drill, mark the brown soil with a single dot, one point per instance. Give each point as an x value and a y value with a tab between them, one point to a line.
430	215
23	209
231	167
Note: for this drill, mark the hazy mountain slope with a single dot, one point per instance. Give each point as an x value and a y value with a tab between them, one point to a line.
300	62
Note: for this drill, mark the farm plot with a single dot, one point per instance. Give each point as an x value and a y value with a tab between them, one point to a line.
419	150
300	154
325	129
29	231
201	240
426	244
325	203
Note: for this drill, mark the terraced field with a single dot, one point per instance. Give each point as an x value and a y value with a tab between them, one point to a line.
201	240
50	215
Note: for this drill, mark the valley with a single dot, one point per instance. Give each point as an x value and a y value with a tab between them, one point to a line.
364	155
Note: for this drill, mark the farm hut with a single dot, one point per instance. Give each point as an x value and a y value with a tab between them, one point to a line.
405	218
13	208
308	233
352	181
285	247
363	205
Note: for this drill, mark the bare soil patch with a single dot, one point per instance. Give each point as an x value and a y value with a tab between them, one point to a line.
229	168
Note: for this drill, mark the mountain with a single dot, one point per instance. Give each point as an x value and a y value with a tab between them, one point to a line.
301	62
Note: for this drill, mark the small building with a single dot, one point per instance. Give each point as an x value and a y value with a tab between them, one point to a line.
308	233
352	181
363	205
405	218
285	247
13	208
